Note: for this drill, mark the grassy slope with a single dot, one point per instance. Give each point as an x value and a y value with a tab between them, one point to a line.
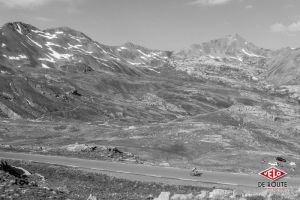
216	141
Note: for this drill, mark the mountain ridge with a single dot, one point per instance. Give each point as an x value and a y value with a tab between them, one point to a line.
62	72
63	93
232	46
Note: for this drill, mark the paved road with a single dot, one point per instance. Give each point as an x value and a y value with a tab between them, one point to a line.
149	173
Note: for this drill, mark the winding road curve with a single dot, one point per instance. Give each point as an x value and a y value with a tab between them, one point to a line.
150	173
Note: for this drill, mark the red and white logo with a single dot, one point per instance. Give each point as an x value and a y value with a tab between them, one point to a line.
273	173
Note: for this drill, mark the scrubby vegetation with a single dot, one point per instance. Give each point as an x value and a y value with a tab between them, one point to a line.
45	181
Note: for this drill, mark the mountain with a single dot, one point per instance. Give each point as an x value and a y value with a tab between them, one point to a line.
61	73
279	67
220	101
57	48
138	56
231	47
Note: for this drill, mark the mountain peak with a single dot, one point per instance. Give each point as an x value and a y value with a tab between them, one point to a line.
21	27
63	28
236	36
233	46
132	45
68	30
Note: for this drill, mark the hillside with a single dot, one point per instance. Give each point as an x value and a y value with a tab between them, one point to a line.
62	73
218	101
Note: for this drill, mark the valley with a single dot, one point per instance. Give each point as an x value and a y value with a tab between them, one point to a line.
225	105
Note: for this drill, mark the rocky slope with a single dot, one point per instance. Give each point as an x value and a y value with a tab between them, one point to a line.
230	48
61	73
235	60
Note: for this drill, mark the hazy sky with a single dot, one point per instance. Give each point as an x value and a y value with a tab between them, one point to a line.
165	24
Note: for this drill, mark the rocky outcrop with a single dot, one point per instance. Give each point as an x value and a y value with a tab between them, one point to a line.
163	196
9	112
91	197
33	186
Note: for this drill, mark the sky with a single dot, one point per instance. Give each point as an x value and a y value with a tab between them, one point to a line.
164	24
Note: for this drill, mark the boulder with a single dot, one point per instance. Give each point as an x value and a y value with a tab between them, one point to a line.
163	196
76	93
14	171
91	197
237	194
202	196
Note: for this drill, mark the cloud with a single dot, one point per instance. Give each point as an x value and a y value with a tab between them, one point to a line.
281	28
31	3
210	2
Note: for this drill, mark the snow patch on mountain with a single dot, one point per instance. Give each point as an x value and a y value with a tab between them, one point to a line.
145	55
49	59
100	59
78	39
45	35
101	48
134	63
106	65
19	57
34	42
59	32
151	69
115	58
236	58
55	54
37	31
122	48
59	56
251	54
45	66
52	44
78	48
153	54
19	29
